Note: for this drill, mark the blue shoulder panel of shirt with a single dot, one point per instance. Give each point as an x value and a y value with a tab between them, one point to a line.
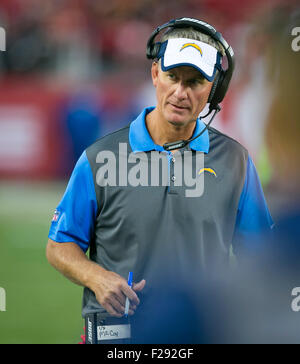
77	211
253	216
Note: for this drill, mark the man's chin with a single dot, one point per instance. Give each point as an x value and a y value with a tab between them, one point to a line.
178	120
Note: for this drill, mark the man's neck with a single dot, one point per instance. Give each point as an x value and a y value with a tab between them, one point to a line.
162	131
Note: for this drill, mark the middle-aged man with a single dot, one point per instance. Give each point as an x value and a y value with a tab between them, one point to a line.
165	195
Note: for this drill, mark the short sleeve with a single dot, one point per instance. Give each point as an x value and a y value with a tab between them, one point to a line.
75	216
253	216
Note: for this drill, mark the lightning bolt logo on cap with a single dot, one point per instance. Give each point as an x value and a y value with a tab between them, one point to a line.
186	45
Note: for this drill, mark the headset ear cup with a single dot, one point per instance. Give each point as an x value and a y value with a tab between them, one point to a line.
213	89
218	90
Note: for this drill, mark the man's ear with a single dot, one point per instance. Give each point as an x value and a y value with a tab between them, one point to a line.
154	72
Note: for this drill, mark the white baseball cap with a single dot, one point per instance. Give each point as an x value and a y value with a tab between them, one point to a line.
190	52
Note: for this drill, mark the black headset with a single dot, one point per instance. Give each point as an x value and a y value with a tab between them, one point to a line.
222	81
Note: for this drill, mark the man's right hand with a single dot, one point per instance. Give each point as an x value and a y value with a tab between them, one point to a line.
111	291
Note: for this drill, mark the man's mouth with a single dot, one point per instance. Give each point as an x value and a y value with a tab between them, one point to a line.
178	107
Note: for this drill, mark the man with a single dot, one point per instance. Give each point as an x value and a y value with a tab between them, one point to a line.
143	205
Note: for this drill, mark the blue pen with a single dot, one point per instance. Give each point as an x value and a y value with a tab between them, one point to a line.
127	299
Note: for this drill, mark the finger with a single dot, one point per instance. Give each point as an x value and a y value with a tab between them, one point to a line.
118	307
110	309
137	287
128	292
133	307
131	312
121	308
121	298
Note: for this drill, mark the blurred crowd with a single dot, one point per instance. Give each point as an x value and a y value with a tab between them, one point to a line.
82	39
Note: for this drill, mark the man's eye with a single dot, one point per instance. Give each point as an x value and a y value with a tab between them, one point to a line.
171	76
196	81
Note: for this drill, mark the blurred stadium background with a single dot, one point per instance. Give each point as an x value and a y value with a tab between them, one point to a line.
72	72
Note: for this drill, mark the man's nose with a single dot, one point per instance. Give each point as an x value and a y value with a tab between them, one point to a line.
181	91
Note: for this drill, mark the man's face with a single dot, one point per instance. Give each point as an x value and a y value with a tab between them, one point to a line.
181	92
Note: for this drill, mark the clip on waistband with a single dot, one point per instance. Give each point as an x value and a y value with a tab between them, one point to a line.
109	330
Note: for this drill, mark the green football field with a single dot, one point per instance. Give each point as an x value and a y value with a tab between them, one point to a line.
41	305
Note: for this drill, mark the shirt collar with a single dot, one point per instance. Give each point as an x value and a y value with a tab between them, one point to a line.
141	141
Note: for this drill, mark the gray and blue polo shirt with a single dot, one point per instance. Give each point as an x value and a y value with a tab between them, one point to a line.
130	203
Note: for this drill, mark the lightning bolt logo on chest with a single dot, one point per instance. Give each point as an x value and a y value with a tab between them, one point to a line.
209	170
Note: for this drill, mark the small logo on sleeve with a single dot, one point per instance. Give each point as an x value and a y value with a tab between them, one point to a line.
55	216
